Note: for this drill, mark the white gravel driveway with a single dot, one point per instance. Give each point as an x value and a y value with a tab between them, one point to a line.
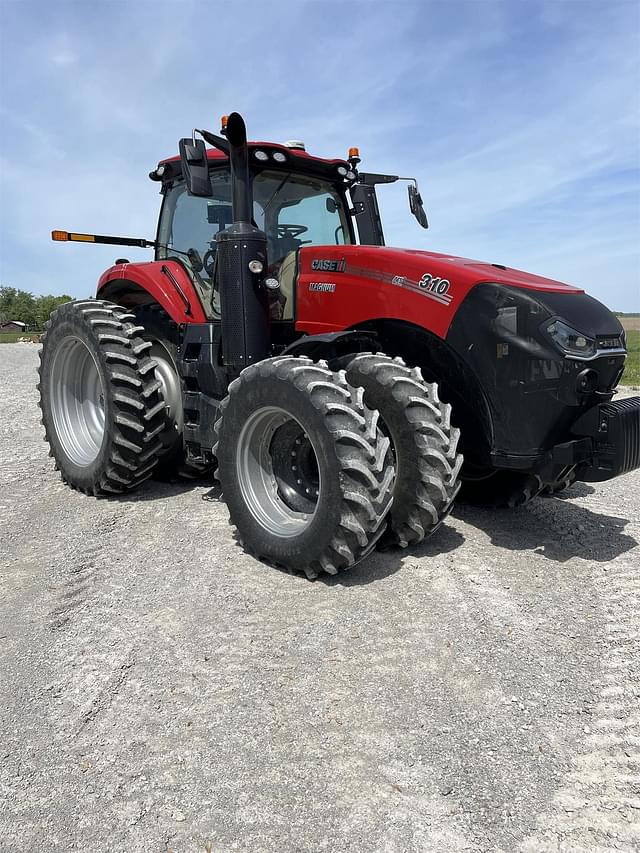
161	690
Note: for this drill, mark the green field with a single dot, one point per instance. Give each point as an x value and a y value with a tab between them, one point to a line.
13	337
631	375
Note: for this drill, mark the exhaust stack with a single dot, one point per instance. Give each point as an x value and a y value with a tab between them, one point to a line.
244	305
242	194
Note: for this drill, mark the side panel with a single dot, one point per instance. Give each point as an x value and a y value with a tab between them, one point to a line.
343	286
164	282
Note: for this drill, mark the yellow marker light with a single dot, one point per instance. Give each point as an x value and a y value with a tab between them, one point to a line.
354	152
82	238
223	122
62	236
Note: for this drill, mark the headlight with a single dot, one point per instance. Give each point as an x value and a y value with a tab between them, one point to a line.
571	341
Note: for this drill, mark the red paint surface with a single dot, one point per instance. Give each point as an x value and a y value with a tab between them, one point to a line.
215	154
365	290
149	277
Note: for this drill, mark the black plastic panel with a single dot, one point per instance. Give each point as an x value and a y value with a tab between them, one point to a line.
244	305
531	387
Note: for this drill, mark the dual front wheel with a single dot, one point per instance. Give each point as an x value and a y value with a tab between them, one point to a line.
318	466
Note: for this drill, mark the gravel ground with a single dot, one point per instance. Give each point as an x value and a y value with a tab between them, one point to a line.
161	690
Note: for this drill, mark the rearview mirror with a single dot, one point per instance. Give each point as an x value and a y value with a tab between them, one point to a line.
195	168
416	207
219	214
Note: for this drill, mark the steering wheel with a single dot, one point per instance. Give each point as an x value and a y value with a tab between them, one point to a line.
208	262
292	231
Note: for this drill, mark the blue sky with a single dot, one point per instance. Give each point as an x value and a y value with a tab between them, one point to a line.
520	119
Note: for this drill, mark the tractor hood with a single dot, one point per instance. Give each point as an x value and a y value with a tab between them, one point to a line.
346	286
464	272
463	275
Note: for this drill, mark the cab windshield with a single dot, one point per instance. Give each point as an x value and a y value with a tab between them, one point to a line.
296	210
293	210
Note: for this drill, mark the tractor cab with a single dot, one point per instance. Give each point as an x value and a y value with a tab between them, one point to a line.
296	200
295	203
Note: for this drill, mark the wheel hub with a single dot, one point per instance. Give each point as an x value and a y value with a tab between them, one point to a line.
295	467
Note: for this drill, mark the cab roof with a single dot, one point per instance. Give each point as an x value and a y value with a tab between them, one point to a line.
295	158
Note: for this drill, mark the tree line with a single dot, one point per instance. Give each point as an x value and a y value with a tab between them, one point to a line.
32	310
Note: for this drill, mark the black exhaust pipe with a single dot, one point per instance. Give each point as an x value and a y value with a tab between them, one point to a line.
242	194
243	299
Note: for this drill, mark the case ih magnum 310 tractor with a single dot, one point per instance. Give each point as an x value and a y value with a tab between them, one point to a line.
336	382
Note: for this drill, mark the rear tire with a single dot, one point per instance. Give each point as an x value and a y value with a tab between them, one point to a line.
423	441
101	402
305	472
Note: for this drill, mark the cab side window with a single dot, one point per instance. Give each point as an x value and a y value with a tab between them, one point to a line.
188	228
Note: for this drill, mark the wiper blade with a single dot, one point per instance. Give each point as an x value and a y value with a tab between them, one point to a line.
277	190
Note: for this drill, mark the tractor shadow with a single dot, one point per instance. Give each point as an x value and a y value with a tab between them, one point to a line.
158	490
553	527
384	563
577	490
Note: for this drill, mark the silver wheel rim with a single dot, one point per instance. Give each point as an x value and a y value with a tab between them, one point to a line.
171	391
260	460
77	401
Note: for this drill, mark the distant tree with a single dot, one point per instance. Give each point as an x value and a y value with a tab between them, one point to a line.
45	305
26	308
7	298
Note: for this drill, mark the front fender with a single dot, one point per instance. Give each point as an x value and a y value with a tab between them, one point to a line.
165	282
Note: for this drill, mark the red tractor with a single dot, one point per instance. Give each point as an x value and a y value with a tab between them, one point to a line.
336	382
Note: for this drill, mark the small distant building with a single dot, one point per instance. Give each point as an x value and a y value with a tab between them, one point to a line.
13	326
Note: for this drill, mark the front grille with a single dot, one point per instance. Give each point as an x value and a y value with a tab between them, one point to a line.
611	342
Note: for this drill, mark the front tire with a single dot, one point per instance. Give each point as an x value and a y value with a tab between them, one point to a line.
423	441
305	472
101	402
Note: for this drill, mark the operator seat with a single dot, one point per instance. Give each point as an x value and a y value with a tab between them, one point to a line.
286	275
